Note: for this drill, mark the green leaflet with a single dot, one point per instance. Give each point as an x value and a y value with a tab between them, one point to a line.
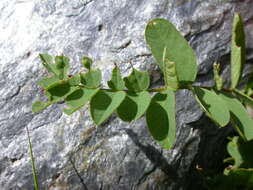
74	80
170	75
246	99
39	106
62	66
218	80
116	83
160	118
60	90
78	98
48	81
59	69
47	61
104	103
134	106
241	152
91	79
214	106
87	62
237	50
238	116
161	34
137	81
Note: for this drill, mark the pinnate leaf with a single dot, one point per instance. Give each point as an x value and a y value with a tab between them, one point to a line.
134	106
237	50
160	35
91	79
78	98
160	118
214	106
116	83
238	116
137	81
104	103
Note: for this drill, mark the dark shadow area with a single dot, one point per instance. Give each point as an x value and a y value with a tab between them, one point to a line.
154	155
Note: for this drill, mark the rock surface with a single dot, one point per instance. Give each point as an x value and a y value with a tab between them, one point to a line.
71	153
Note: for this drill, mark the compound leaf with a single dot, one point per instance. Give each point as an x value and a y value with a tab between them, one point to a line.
116	83
78	98
104	103
87	62
134	106
91	79
137	81
161	34
160	118
214	106
237	50
241	152
238	116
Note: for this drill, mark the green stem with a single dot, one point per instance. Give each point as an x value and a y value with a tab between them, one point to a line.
35	178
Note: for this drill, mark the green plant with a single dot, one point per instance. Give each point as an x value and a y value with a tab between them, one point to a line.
131	97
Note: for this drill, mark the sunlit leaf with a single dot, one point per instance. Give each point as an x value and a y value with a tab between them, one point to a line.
116	83
78	98
214	106
104	103
62	66
47	81
170	75
137	81
160	35
74	80
91	79
160	118
237	50
134	106
238	116
39	106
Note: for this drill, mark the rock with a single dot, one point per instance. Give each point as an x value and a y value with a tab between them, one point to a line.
70	152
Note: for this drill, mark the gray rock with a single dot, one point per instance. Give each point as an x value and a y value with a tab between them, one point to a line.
70	152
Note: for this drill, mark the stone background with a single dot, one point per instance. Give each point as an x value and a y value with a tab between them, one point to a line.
71	152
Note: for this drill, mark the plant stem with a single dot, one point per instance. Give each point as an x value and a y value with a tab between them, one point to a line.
35	178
